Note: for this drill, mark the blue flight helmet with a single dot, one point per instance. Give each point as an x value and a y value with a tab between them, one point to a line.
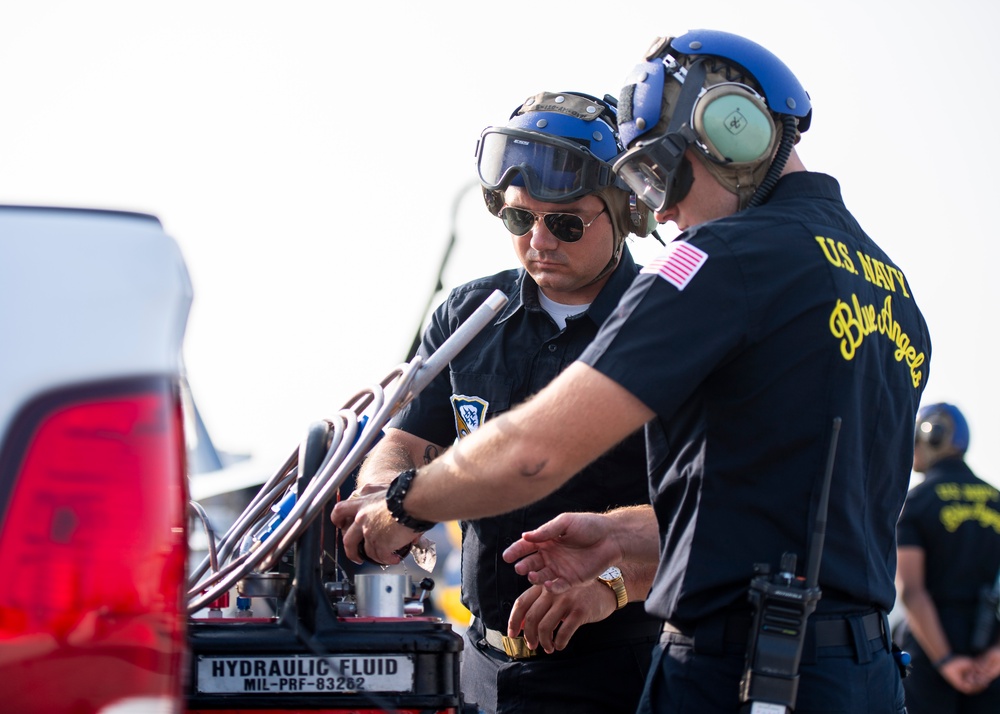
942	425
734	102
559	146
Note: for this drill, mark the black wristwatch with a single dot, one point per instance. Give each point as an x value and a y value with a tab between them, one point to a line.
394	496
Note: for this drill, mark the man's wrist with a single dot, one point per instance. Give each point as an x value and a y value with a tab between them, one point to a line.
612	577
394	497
944	660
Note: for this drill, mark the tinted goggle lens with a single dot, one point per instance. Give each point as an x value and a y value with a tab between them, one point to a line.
567	227
551	170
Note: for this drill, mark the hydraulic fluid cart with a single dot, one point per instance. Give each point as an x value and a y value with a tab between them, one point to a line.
325	642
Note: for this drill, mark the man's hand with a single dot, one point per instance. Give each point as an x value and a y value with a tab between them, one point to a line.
571	549
960	672
989	662
549	620
988	667
364	518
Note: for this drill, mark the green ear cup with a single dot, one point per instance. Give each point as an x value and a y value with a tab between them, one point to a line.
735	125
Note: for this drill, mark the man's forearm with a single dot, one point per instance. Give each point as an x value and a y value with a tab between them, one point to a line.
527	453
636	531
638	579
495	470
383	464
397	451
925	625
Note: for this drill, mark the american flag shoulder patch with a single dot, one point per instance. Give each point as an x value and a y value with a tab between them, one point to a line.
677	264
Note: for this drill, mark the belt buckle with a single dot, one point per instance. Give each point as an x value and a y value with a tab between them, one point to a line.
517	647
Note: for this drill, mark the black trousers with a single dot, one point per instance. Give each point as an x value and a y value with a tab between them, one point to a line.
601	681
857	678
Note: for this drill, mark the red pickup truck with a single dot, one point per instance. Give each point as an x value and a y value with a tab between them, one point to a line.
100	610
93	490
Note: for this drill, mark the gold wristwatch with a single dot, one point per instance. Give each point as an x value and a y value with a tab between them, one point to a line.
612	577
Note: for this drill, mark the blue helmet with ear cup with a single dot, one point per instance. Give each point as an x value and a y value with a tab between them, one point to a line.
942	424
783	92
720	93
780	87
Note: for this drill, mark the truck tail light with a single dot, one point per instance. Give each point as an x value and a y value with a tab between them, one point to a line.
93	498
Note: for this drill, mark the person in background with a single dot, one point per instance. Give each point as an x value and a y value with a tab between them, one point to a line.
772	318
949	564
547	176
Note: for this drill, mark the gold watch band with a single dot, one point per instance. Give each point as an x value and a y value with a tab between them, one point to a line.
614	581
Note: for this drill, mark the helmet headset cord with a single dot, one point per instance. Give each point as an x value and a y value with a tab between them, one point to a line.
789	125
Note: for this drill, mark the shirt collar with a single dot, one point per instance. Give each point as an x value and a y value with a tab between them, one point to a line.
606	301
799	184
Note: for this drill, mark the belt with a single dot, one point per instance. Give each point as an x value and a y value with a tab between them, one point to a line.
517	648
735	629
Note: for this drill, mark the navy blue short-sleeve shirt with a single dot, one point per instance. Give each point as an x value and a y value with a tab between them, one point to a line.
954	517
510	360
747	337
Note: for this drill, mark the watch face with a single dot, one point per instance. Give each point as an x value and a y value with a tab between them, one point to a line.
611	573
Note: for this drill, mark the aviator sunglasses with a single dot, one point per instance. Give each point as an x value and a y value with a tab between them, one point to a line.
567	227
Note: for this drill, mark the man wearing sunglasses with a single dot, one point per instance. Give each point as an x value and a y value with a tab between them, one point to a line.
769	321
547	176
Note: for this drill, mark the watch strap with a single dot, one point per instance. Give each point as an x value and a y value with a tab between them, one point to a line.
617	586
394	496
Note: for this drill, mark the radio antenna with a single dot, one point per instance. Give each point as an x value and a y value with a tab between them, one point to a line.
819	534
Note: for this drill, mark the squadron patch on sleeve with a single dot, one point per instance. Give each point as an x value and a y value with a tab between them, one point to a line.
677	264
470	412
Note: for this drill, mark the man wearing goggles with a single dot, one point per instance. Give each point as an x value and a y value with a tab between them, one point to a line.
689	114
554	169
770	319
547	176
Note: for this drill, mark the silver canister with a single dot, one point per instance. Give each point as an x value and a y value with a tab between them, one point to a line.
380	594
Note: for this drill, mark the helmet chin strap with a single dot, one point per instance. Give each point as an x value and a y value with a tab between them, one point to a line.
616	256
629	216
618	234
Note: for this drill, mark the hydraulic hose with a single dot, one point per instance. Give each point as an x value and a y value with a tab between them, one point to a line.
354	430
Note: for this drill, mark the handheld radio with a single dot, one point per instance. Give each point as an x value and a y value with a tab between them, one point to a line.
781	605
987	615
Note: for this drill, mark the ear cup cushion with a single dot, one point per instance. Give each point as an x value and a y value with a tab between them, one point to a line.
930	432
642	221
734	124
936	436
941	425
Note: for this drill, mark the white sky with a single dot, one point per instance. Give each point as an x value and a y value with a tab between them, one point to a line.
306	157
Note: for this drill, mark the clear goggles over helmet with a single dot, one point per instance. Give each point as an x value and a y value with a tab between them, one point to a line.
653	170
552	169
